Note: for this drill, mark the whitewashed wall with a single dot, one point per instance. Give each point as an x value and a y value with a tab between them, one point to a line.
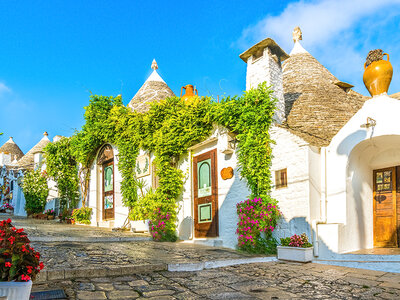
352	155
292	153
267	68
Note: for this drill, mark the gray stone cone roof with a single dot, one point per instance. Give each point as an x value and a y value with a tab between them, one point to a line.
315	108
27	161
149	92
12	148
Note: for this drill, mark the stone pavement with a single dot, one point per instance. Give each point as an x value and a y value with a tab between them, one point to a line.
274	280
125	269
52	231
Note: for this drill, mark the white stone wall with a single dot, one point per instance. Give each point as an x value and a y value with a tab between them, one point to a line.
292	153
267	68
5	159
351	157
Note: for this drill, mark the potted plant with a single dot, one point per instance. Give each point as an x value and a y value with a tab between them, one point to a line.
51	214
82	215
19	263
295	248
8	208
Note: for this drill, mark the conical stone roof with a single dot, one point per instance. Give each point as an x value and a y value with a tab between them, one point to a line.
154	89
316	108
27	161
10	147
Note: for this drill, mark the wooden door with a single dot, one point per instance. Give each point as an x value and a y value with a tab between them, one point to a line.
205	184
108	190
384	207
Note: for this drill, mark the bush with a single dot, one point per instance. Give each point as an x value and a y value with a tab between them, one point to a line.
296	241
18	261
34	186
82	215
258	219
162	227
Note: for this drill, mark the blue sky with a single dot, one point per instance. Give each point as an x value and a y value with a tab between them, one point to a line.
53	53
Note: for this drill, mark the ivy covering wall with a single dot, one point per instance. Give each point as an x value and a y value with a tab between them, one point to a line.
167	130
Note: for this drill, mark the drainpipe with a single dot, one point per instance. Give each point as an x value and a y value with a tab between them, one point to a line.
191	193
323	208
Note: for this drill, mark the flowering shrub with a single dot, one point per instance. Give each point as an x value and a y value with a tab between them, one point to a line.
82	215
50	212
258	220
162	227
7	206
296	241
18	261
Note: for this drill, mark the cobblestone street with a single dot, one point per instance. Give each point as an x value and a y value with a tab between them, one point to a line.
272	280
139	269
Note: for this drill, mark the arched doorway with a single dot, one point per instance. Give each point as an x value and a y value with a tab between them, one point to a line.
106	163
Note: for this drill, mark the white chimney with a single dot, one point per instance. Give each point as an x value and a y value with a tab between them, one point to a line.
264	64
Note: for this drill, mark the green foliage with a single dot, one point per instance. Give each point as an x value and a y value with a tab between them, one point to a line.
34	186
167	130
18	261
251	116
82	215
62	167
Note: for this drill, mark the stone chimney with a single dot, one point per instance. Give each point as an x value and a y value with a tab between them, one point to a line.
264	64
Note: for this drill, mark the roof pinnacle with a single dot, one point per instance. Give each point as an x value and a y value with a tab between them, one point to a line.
154	65
297	34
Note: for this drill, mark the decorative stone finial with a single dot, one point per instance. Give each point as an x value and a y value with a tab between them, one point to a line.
45	133
297	34
154	65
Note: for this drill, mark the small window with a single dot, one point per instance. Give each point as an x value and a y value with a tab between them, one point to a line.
281	178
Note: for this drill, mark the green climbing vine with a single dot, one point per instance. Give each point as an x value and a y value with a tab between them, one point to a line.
167	130
62	168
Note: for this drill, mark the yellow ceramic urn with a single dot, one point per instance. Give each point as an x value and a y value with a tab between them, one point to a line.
377	76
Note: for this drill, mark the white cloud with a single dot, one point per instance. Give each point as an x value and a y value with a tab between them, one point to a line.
339	33
4	88
320	21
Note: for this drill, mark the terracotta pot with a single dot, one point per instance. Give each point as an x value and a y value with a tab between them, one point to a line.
50	217
377	76
190	92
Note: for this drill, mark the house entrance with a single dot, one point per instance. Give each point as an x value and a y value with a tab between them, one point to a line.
386	207
205	184
106	163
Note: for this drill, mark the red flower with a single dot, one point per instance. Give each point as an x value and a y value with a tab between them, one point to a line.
8	221
13	228
11	239
41	266
25	277
8	264
37	255
20	230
